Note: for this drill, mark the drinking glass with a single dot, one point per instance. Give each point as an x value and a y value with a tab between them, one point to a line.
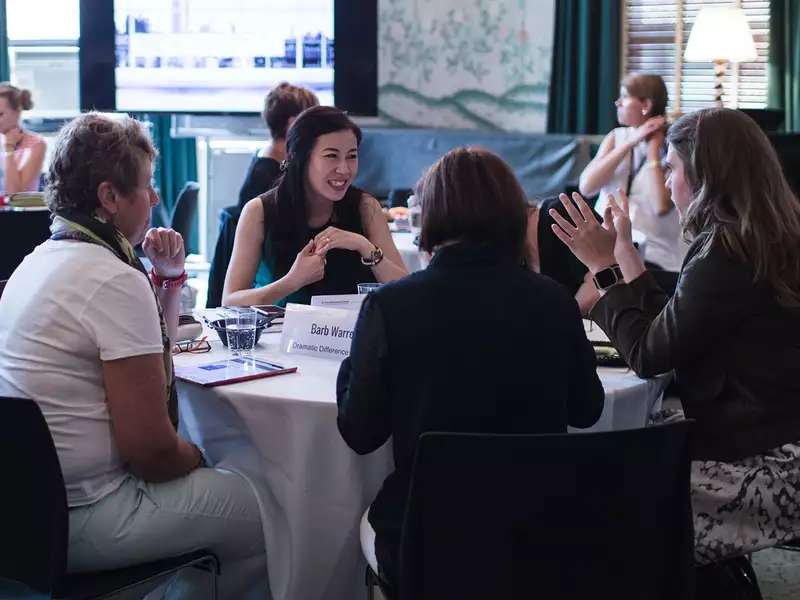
245	330
240	329
232	330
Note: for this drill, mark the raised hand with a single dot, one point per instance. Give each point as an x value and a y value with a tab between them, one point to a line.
591	242
650	128
164	247
620	220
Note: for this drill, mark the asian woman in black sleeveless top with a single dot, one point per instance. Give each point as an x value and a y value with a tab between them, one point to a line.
314	233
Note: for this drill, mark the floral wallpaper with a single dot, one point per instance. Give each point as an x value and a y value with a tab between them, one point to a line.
465	64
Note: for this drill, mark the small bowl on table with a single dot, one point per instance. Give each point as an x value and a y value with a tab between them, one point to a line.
218	325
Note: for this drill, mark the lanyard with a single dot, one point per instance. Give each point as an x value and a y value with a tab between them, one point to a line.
633	172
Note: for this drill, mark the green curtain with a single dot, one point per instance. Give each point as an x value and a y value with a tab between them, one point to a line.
784	60
585	74
176	164
5	67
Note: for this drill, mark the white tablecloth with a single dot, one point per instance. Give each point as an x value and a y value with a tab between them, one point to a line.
281	434
408	250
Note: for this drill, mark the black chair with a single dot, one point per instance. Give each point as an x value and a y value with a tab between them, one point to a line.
35	518
20	233
184	216
228	220
730	579
595	515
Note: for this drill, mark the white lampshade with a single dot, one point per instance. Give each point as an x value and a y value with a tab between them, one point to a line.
721	33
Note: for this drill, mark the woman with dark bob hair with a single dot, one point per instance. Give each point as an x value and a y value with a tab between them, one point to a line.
315	233
87	334
475	310
730	331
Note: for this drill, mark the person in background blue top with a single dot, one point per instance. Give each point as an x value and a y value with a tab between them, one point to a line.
315	232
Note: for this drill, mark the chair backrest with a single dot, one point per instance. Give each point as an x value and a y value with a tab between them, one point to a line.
184	215
228	220
594	515
398	197
33	505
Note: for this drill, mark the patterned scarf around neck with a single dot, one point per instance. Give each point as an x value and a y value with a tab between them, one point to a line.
68	225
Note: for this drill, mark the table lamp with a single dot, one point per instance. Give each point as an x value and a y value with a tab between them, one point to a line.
720	34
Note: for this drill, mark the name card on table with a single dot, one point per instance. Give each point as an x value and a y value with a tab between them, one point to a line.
318	331
345	301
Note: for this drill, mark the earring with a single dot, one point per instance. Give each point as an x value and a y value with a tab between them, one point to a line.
644	112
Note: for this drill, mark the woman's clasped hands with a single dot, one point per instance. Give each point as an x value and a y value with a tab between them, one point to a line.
309	265
596	245
332	237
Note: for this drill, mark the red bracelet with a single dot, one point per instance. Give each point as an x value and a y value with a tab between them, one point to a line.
168	283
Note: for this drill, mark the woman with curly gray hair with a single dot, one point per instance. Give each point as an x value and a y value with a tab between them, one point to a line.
87	334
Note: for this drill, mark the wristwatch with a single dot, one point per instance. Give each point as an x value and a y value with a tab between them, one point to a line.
608	277
374	257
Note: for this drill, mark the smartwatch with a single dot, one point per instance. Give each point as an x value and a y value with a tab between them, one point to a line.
608	277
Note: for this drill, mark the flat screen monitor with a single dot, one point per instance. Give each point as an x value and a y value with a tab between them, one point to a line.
204	56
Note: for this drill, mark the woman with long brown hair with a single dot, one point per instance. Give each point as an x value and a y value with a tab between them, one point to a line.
731	331
314	233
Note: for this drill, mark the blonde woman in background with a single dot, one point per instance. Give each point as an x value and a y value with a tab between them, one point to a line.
22	151
630	158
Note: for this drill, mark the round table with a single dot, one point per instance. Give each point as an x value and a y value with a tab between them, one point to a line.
281	434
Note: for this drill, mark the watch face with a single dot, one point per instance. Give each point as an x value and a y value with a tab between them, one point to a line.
605	278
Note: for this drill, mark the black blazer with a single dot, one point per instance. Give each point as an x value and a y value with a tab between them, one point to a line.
474	343
735	350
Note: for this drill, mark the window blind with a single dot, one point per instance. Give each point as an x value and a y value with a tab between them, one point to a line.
655	36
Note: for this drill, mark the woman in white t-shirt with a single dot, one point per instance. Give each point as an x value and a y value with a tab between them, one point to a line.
86	333
630	159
